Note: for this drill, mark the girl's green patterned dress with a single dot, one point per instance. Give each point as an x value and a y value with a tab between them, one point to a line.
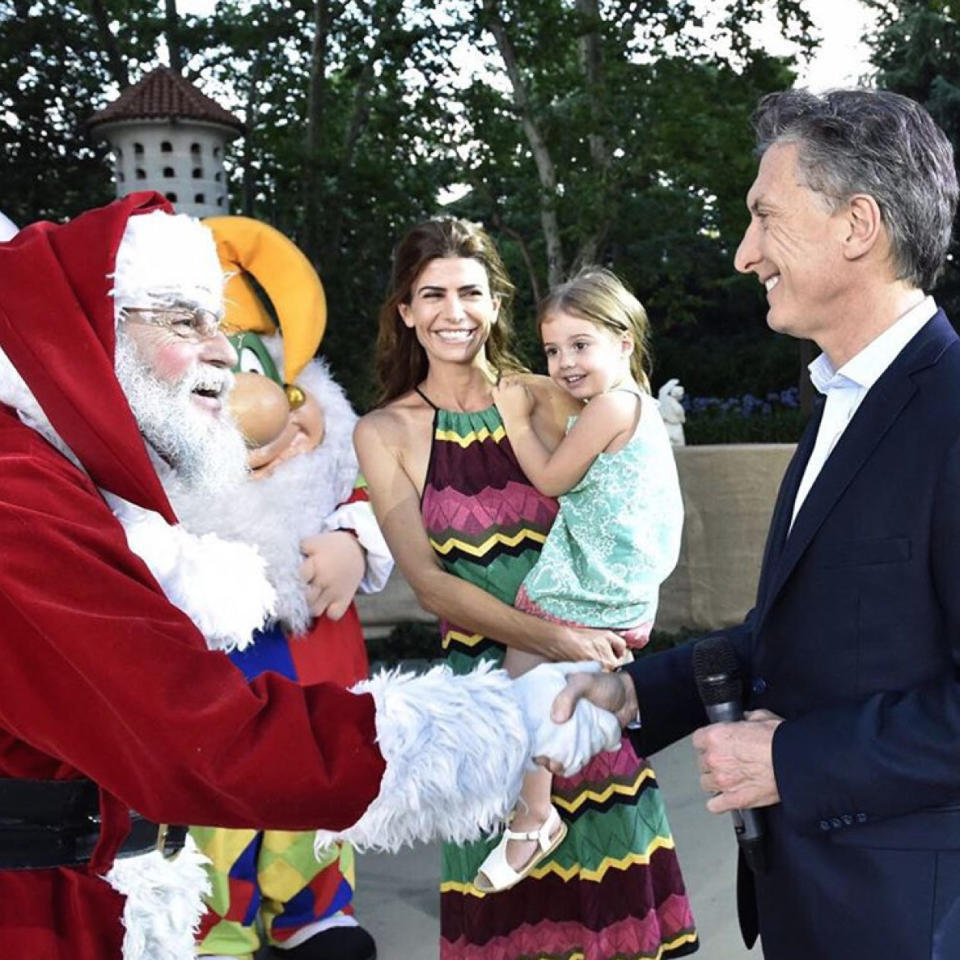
613	889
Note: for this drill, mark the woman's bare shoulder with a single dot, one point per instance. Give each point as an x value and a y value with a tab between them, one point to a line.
393	422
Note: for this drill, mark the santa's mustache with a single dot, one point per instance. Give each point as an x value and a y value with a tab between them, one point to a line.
208	380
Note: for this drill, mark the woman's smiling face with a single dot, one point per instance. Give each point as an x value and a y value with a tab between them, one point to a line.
451	309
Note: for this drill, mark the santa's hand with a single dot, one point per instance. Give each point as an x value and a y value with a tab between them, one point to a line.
333	567
567	747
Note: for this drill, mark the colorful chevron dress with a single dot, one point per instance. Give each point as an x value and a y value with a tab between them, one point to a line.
613	889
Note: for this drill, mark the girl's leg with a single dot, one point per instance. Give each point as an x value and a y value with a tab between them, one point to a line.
517	662
533	807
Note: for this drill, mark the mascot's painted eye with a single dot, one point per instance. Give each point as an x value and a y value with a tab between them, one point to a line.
254	356
250	362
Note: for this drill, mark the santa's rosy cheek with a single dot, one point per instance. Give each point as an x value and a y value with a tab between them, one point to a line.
172	361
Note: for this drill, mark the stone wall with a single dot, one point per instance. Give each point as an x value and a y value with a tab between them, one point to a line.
728	494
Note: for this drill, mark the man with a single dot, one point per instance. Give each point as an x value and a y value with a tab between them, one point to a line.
113	373
851	651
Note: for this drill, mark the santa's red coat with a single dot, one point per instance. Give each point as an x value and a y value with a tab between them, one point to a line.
100	676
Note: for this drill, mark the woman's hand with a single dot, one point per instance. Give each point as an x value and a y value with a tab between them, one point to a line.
512	398
584	643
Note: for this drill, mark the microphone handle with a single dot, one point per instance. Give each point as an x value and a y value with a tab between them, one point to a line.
728	712
747	824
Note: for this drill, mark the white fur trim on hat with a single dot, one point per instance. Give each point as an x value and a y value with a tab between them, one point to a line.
456	748
165	258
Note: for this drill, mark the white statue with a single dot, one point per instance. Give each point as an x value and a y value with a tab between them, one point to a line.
671	409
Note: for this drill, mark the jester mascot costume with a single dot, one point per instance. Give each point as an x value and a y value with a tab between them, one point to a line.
304	511
116	720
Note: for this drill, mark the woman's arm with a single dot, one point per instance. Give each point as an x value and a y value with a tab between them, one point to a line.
379	442
603	420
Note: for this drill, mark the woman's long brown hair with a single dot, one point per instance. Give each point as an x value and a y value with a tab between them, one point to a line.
401	362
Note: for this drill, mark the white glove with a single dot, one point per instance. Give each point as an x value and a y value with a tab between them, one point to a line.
573	743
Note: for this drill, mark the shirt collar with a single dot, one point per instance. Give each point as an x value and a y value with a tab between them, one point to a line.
866	367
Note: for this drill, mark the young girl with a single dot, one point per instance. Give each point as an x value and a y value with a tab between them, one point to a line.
617	535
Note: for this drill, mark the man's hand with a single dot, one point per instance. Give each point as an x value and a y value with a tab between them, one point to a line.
564	746
333	567
736	762
609	691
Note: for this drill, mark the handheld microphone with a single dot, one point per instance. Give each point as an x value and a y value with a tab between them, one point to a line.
717	673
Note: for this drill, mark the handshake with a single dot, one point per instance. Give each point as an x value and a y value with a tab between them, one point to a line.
573	711
456	747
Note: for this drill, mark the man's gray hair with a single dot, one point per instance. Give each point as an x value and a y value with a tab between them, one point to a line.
877	143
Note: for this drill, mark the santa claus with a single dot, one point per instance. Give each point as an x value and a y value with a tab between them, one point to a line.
113	375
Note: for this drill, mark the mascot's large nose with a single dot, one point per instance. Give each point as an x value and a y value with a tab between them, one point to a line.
260	408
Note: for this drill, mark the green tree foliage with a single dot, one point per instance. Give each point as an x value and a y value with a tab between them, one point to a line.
650	153
364	118
916	50
342	146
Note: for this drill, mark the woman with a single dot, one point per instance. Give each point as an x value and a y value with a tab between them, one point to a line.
465	525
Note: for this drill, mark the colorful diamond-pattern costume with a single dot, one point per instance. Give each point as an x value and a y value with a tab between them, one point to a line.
613	888
272	877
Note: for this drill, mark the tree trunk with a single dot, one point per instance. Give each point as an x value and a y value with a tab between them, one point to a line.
249	141
118	66
545	169
358	120
590	45
172	32
316	104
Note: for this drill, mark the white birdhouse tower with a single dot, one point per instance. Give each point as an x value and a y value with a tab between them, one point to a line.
168	136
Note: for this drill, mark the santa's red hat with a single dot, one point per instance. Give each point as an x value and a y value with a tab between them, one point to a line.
57	329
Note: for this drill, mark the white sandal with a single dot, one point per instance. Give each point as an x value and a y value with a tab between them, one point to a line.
496	874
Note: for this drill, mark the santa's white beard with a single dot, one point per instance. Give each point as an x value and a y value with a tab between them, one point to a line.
272	513
207	453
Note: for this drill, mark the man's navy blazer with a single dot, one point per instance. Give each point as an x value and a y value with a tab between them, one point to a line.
855	641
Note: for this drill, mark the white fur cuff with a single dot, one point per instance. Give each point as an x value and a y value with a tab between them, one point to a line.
456	748
221	585
164	902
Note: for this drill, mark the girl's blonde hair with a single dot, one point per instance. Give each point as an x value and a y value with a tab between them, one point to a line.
600	297
401	362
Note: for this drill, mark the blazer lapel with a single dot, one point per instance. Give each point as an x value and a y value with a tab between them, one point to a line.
879	410
783	511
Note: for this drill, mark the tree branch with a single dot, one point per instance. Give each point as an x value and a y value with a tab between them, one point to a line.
545	169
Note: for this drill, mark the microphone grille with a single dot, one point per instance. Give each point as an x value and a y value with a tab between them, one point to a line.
716	670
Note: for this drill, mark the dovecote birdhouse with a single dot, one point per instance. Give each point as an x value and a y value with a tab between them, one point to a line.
168	136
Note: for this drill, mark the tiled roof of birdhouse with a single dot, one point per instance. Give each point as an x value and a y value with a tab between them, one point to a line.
164	94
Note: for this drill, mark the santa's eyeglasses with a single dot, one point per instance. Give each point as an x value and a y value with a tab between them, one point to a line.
184	322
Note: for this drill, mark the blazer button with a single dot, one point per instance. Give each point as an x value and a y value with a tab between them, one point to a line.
759	685
847	819
824	824
836	823
861	818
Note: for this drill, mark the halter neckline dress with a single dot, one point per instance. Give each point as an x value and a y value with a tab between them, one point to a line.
613	888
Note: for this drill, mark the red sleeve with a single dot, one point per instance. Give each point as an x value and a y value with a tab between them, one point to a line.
101	674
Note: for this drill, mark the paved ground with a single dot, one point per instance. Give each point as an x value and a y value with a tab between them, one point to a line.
398	902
